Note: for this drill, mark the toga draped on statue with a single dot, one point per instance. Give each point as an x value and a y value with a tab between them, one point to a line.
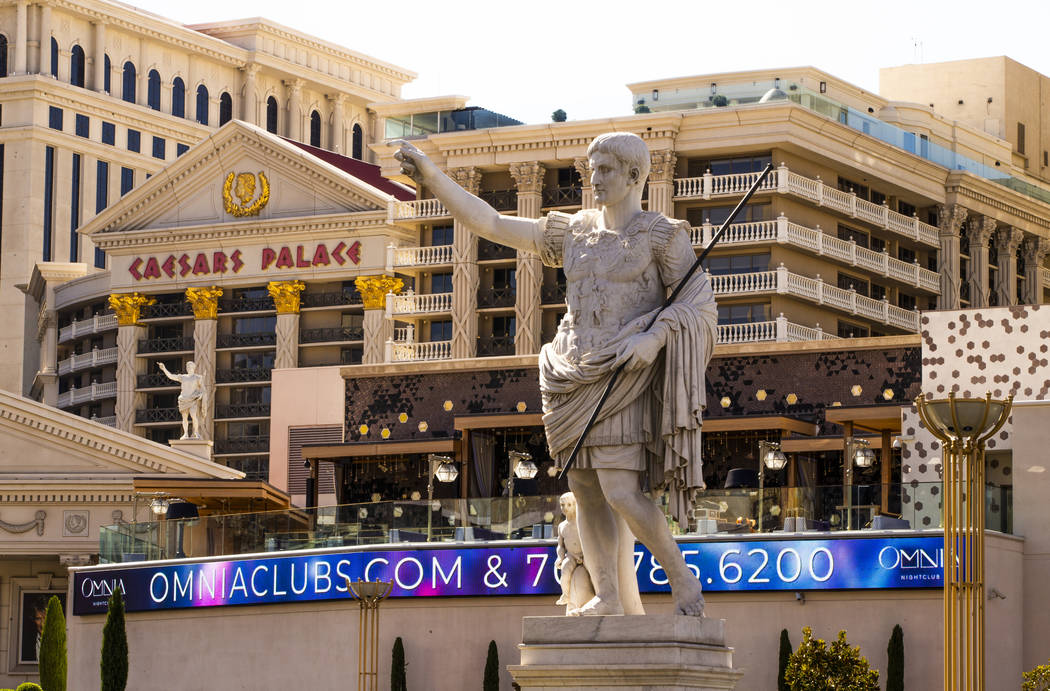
616	280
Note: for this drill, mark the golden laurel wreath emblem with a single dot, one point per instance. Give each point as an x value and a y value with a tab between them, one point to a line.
245	191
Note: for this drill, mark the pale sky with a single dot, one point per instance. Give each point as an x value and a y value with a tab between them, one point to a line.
527	59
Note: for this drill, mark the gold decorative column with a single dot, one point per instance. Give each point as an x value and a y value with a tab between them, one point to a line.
583	167
661	182
378	329
465	280
527	312
205	302
1007	240
949	222
128	308
285	296
963	425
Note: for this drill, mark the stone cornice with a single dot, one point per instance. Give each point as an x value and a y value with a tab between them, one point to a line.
1016	206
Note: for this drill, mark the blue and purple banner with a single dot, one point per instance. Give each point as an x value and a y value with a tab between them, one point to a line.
475	571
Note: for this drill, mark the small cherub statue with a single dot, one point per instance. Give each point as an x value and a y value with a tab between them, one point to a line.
576	587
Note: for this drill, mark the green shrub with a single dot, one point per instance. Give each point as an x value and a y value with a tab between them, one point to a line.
895	660
28	686
491	682
398	680
114	662
785	658
53	648
815	666
1038	679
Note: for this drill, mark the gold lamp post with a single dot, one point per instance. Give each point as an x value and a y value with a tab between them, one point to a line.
963	425
369	594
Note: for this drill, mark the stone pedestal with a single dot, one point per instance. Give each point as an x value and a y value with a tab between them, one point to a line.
651	652
201	448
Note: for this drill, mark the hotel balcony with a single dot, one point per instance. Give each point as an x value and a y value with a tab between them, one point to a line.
157	416
242	375
1046	276
87	327
413	304
175	344
252	444
96	358
242	411
418	257
410	351
88	394
415	210
332	334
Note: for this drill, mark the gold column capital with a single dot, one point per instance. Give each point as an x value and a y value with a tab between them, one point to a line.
373	289
128	307
205	301
285	295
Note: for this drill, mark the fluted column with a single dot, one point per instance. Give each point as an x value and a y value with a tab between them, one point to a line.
45	40
465	280
249	104
1007	240
294	121
285	296
21	37
1034	249
528	177
980	233
378	329
205	302
128	308
949	222
661	182
335	137
583	167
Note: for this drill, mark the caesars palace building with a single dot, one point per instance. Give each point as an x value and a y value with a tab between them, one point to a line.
223	194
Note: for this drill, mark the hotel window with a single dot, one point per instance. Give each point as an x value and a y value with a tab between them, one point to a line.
441	235
743	314
76	66
54	57
1020	138
271	115
503	327
351	356
74	211
858	236
716	215
847	330
846	281
253	359
878	292
738	264
153	90
178	97
728	166
180	149
358	142
225	108
128	82
905	301
441	283
107	75
101	202
83	125
3	55
202	104
54	118
905	208
905	254
109	133
441	330
49	195
315	129
134	140
159	148
127	180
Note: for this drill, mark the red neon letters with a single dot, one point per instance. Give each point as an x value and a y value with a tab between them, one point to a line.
218	262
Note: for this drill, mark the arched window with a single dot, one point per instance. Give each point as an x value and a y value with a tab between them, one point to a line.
225	108
107	76
76	66
153	90
271	115
178	97
128	87
358	142
315	129
202	104
3	55
54	57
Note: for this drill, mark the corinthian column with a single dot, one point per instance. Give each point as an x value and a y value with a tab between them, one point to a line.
661	182
294	123
205	302
1034	249
528	177
378	329
465	279
980	232
338	113
583	167
1007	240
285	296
249	105
949	222
47	335
128	308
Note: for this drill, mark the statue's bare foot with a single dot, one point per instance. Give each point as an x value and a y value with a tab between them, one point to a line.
689	597
597	607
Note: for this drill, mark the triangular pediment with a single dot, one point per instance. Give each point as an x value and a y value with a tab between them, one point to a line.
240	173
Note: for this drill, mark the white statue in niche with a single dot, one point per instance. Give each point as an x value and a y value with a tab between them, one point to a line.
191	398
620	264
576	587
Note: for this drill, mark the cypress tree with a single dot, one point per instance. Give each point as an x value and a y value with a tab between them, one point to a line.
491	682
398	680
53	648
895	660
785	658
114	646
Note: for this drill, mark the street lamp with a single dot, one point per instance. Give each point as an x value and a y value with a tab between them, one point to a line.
769	456
444	469
522	467
963	425
859	453
369	594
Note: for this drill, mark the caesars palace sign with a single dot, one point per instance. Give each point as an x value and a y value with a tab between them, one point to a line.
262	259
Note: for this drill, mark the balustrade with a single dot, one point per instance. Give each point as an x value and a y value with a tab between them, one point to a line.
335	334
166	345
262	338
87	394
424	303
95	358
562	196
331	299
242	410
407	351
145	416
154	380
496	296
417	208
398	257
167	310
491	250
247	444
242	374
88	327
501	200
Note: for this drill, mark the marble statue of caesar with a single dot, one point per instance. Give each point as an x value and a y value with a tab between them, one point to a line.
620	264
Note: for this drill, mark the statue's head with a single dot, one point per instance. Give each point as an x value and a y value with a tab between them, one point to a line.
619	166
567	502
191	367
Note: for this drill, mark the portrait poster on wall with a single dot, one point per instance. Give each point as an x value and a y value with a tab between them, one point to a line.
32	610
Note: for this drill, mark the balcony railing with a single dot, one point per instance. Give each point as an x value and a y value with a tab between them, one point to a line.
242	410
423	303
783	231
488	250
88	327
246	304
496	345
784	181
96	358
146	416
167	310
95	392
408	351
1046	276
416	209
242	374
778	330
496	296
174	344
553	295
250	444
501	200
246	340
331	299
562	196
154	380
107	420
406	257
335	334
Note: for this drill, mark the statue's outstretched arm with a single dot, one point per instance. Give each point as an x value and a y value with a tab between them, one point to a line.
519	233
173	377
